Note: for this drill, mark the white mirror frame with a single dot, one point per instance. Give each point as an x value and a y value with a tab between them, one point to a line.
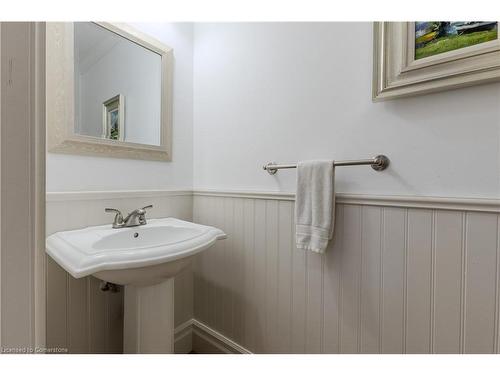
60	96
397	74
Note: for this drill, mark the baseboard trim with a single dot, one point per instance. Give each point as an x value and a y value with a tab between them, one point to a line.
209	336
183	340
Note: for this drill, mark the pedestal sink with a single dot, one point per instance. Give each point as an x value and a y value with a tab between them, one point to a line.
144	259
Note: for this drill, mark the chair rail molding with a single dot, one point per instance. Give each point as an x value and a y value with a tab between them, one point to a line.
445	203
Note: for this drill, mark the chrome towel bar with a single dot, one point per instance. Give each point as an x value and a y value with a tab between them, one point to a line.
378	163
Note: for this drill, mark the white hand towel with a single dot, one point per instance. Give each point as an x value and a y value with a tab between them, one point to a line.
315	204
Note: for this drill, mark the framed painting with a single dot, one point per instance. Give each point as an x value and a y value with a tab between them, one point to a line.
412	58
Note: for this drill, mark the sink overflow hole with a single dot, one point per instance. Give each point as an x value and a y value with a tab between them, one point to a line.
136	235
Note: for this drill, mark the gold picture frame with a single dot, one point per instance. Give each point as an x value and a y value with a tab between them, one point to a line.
396	72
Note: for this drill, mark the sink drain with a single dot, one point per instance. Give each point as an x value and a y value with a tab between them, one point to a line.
136	235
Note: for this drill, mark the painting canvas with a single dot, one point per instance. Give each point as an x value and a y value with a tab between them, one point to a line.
113	112
436	37
113	117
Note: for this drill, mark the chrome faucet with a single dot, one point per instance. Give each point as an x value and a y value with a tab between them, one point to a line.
133	219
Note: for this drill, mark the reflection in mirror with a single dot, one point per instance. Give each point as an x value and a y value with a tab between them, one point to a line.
117	87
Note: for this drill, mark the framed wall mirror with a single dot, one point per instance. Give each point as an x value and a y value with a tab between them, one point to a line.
109	91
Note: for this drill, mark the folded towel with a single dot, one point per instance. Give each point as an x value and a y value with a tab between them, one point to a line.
315	204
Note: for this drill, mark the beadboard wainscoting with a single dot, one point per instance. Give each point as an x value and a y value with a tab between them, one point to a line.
80	317
403	275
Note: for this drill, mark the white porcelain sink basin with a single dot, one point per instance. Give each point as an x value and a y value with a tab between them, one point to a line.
142	255
144	259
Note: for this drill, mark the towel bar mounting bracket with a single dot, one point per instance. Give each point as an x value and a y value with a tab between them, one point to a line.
269	168
381	163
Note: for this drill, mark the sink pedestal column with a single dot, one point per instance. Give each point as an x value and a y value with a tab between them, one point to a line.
149	318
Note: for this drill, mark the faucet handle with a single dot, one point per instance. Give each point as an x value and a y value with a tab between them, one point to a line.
118	221
136	217
142	210
142	213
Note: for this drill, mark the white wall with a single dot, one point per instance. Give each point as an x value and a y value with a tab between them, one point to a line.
290	91
77	173
284	92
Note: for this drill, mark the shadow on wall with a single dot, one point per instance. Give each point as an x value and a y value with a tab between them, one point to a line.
437	144
232	327
82	318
